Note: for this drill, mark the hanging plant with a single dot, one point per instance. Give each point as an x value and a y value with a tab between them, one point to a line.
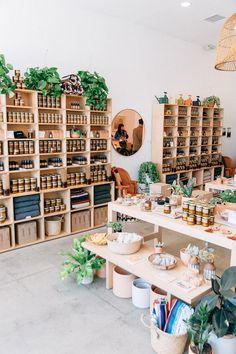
95	89
46	80
6	84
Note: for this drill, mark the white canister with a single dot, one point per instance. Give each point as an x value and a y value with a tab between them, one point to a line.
141	293
226	344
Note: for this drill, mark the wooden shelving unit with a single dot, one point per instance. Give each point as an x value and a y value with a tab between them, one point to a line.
61	132
187	142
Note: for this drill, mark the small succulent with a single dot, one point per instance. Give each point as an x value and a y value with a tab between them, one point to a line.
206	254
192	250
160	244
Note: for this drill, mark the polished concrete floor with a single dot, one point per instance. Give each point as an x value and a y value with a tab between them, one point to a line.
40	314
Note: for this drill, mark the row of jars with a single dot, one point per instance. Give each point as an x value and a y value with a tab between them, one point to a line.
50	146
75	145
76	178
75	105
3	213
192	219
26	164
20	117
78	160
99	119
198	213
1	187
50	118
18	100
76	119
98	159
98	174
96	145
23	184
21	147
54	205
48	101
50	181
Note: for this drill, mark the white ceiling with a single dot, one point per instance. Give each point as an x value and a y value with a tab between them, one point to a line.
168	16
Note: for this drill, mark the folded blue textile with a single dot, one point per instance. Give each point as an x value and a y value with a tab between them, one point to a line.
27	198
26	204
26	209
24	215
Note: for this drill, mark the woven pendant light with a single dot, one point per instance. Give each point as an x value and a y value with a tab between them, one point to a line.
226	48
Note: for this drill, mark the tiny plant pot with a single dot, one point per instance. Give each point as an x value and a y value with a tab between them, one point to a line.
101	273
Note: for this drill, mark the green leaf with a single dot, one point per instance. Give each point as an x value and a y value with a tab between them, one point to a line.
220	322
228	279
210	300
215	286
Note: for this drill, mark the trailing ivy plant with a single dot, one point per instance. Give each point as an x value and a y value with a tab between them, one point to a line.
46	80
148	173
95	89
6	84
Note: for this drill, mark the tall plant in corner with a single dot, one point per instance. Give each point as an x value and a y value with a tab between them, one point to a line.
46	80
6	84
95	89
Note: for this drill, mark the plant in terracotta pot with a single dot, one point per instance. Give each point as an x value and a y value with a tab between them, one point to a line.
81	262
46	80
175	198
115	226
6	84
199	328
211	101
188	252
75	133
222	305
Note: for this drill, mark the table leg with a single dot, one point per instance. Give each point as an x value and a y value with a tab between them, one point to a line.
233	257
158	230
112	215
109	275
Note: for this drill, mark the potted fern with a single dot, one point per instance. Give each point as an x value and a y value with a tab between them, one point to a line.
80	262
211	101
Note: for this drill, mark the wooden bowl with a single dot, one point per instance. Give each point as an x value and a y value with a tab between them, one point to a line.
162	267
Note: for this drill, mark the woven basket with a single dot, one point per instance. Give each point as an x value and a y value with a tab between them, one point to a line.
162	342
165	343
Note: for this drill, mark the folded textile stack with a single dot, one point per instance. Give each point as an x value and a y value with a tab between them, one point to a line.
79	198
102	194
27	206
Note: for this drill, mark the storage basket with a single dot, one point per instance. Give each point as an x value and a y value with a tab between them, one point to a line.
165	343
122	283
53	225
156	293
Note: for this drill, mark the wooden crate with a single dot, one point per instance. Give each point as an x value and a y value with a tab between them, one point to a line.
5	238
80	220
26	232
100	216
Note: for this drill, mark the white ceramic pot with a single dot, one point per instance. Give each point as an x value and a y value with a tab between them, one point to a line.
53	225
141	293
87	280
122	283
224	345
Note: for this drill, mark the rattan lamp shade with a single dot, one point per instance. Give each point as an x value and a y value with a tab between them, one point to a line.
226	48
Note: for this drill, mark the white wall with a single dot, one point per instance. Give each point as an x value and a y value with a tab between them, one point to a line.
137	62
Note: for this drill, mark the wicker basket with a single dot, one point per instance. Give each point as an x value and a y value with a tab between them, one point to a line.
165	343
162	342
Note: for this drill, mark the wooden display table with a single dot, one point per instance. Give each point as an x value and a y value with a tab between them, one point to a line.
175	225
139	265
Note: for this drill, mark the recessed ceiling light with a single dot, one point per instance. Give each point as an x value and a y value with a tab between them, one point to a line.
185	3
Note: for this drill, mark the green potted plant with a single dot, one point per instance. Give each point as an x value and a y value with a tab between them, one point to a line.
199	329
114	227
81	262
75	133
222	304
95	89
147	174
175	198
211	101
6	84
47	80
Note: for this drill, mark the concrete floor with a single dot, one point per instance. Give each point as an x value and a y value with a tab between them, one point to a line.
40	314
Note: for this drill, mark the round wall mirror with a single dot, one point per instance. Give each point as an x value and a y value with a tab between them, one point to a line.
127	132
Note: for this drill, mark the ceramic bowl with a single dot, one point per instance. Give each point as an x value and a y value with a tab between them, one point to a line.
123	248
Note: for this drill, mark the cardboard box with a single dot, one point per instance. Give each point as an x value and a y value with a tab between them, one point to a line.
26	232
5	238
80	220
160	188
100	215
202	195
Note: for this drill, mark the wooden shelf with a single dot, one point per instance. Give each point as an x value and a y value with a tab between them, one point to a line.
62	192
